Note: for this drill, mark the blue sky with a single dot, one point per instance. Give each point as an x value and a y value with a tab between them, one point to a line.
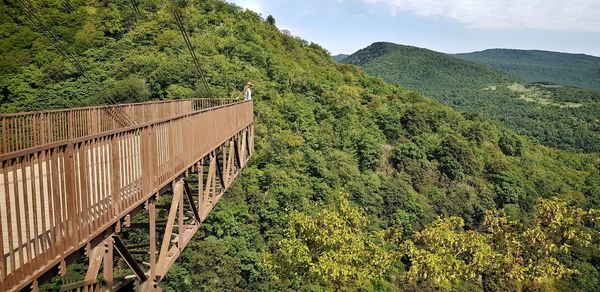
451	26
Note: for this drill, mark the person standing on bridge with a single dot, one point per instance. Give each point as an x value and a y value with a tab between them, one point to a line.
247	92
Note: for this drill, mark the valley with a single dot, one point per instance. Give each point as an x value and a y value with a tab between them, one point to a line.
559	116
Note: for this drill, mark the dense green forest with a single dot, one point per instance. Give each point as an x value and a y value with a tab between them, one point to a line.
558	116
355	184
542	66
340	57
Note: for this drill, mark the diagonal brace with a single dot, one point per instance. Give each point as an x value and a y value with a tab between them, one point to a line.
126	255
220	171
188	194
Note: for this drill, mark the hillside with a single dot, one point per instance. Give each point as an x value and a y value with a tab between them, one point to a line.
355	184
542	66
340	57
425	70
566	119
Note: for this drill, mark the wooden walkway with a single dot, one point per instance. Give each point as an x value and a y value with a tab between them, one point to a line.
71	179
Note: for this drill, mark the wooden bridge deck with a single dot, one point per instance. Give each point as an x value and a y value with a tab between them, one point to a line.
69	179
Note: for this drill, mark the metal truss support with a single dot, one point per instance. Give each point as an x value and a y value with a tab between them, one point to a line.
184	215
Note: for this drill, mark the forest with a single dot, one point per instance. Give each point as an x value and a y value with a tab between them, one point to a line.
542	66
479	88
355	184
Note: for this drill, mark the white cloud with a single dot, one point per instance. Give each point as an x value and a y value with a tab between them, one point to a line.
554	15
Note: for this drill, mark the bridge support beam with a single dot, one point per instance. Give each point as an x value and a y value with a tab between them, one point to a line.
179	220
76	177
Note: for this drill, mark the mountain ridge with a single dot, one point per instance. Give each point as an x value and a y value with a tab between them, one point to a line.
527	50
558	116
415	66
352	179
339	57
580	70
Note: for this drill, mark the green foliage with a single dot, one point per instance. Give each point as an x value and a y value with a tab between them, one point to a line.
558	116
332	247
368	148
129	90
321	129
502	254
511	145
339	58
271	20
542	66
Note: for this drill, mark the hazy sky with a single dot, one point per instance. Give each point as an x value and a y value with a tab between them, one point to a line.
451	26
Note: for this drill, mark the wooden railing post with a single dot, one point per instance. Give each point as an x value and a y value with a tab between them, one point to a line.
116	173
4	148
72	187
70	125
71	198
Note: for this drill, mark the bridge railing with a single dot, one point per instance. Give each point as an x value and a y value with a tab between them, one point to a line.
26	130
56	197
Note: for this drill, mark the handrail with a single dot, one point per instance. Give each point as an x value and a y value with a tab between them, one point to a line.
56	197
62	143
111	106
21	131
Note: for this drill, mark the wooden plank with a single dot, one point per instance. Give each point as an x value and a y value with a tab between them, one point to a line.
128	169
17	214
35	192
15	136
8	169
43	135
107	180
4	147
83	181
102	179
95	188
71	215
54	177
44	189
77	194
115	174
26	211
2	215
21	130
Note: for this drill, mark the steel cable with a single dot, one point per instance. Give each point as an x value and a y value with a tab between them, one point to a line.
31	14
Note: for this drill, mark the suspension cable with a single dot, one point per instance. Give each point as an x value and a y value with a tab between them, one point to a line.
31	14
136	7
68	6
180	25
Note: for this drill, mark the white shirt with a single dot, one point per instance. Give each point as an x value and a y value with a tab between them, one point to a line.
248	94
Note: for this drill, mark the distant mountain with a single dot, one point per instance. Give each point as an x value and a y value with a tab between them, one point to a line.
355	184
425	70
543	66
558	116
340	57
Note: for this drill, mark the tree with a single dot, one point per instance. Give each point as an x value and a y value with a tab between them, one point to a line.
130	90
456	158
332	247
271	20
511	254
511	145
368	148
